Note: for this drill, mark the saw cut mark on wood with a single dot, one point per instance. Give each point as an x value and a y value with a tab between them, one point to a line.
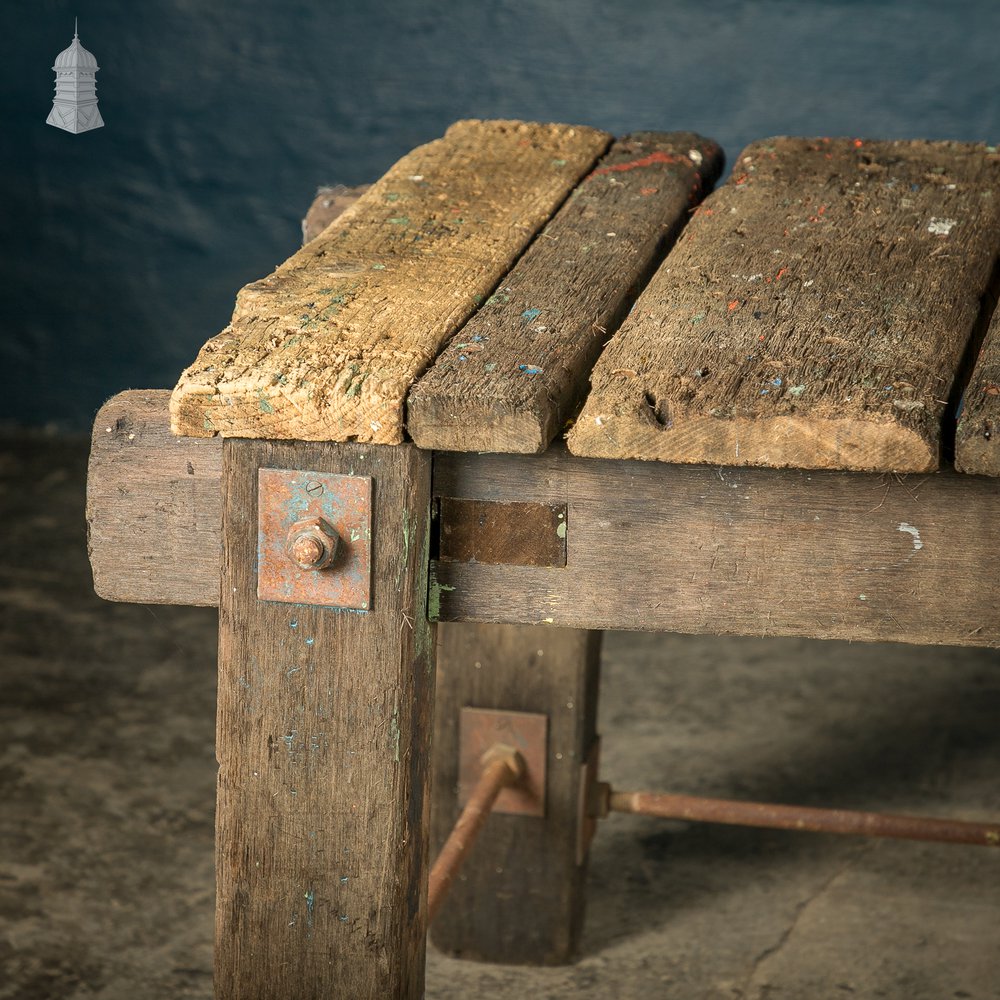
977	439
327	346
512	375
813	314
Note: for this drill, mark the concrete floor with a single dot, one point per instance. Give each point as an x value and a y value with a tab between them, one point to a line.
107	783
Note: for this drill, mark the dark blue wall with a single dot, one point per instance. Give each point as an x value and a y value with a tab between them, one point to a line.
123	248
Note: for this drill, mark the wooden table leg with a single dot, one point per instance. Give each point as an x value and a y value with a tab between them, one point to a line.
519	897
324	723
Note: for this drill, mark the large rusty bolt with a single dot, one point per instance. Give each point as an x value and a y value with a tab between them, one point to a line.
312	543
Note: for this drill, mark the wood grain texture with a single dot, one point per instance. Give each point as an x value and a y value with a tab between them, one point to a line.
512	375
813	314
326	347
154	506
520	895
324	720
977	439
828	555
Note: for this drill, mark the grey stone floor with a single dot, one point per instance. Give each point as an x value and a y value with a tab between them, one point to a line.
107	783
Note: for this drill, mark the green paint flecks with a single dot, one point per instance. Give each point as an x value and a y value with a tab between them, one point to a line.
561	529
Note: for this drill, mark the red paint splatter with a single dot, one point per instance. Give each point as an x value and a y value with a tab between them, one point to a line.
734	304
858	143
657	156
782	272
645	192
742	179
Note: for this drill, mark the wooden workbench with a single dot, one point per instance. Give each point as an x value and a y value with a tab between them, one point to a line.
762	431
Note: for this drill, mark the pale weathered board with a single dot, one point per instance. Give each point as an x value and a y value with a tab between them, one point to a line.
154	506
813	314
512	375
520	895
977	440
678	548
324	721
665	548
326	347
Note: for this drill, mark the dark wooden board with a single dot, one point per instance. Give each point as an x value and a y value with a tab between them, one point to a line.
814	313
154	506
660	547
327	346
512	375
520	895
324	720
977	439
829	555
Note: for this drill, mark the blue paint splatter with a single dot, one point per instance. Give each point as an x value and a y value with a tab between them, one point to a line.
293	624
529	369
776	381
310	641
529	314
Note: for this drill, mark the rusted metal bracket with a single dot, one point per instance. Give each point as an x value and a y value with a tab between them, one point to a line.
479	730
314	538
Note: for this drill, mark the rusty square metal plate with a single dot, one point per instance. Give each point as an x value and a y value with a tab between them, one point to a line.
286	497
527	732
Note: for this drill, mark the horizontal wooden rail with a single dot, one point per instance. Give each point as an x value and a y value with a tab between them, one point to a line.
652	546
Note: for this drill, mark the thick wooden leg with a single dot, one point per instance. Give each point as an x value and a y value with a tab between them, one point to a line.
324	725
519	897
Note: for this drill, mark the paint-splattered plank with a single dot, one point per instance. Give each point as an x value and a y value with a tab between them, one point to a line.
977	440
813	314
326	348
324	723
510	377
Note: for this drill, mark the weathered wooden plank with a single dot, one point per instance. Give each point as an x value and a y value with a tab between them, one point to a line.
154	506
510	377
977	439
323	723
764	566
829	555
813	314
520	897
327	347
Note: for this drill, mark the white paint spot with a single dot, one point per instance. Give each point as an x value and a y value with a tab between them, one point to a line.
416	178
862	597
908	405
941	227
695	156
807	284
910	530
599	421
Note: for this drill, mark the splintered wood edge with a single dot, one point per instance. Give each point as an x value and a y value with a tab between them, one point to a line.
271	374
797	442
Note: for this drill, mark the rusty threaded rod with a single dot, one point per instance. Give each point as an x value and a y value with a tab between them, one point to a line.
687	807
503	767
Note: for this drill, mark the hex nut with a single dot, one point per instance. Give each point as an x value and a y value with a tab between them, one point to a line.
312	543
